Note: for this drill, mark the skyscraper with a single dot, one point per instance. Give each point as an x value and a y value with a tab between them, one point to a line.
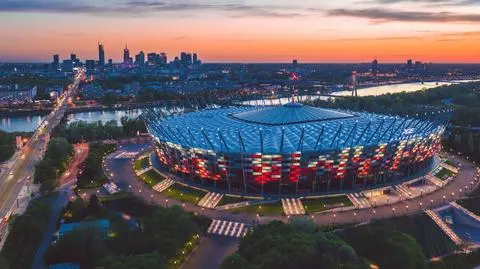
56	62
375	67
126	55
101	55
140	59
195	58
74	59
294	64
163	58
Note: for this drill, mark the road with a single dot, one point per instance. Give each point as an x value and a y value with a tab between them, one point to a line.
81	153
124	177
23	166
219	246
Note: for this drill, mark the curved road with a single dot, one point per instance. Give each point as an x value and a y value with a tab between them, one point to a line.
125	178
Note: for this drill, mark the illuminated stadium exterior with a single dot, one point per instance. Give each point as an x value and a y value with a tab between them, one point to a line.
294	148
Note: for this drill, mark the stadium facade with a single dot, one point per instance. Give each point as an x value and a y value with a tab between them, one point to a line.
294	148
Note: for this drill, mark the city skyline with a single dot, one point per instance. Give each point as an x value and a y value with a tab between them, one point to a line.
244	31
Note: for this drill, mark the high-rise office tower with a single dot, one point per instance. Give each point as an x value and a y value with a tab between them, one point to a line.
74	59
163	58
294	64
195	58
140	59
152	59
56	62
126	55
375	67
101	55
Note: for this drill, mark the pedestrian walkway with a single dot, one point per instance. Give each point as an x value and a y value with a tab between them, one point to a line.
403	191
126	155
143	171
466	211
210	200
358	200
165	184
449	232
292	206
449	167
434	180
228	228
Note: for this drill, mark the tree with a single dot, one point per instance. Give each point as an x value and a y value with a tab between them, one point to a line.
298	245
4	263
25	234
84	245
59	151
48	185
235	261
43	170
93	205
141	261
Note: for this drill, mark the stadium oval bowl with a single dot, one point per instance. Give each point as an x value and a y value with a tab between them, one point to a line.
294	148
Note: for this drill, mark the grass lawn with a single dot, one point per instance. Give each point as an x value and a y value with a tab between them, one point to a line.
261	209
141	163
151	178
184	194
232	200
115	196
325	203
449	162
443	174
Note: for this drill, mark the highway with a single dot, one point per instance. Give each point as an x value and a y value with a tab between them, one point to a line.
21	172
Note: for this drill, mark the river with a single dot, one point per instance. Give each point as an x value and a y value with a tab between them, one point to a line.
30	123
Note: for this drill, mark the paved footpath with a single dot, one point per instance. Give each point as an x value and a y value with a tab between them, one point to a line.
126	179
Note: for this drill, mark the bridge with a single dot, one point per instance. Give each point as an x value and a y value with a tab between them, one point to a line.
23	163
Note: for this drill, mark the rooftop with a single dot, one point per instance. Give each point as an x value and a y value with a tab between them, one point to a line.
291	113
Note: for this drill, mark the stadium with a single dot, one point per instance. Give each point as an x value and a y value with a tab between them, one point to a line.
294	148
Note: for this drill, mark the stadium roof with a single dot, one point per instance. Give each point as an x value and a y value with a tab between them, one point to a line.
284	129
290	113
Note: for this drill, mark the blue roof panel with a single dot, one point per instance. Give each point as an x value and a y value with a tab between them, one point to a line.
290	113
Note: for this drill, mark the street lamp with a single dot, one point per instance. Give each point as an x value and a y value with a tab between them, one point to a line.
166	203
334	218
355	216
393	211
406	209
420	205
431	204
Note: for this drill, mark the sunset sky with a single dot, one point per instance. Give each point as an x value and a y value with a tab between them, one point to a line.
244	30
